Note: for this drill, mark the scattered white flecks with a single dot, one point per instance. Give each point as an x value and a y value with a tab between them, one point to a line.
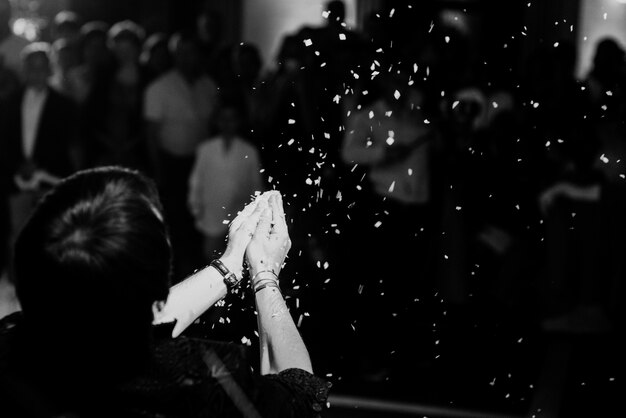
360	290
317	53
392	186
611	379
336	99
389	113
547	143
342	36
308	42
325	14
604	16
392	12
426	121
415	68
291	121
432	25
622	176
339	197
494	104
410	171
225	222
493	382
445	256
390	140
377	224
326	135
326	265
609	93
536	105
291	141
604	159
555	44
455	104
312	150
371	114
323	64
379	50
517	207
300	320
459	208
396	94
308	181
364	92
356	76
520	340
603	107
245	340
447	39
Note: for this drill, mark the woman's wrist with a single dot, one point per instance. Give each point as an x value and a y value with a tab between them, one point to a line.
263	266
233	261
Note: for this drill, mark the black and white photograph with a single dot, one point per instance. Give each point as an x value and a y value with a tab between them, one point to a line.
312	208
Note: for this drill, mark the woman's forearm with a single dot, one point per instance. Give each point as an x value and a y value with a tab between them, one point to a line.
282	346
193	296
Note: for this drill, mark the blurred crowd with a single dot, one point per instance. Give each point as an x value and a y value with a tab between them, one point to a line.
408	170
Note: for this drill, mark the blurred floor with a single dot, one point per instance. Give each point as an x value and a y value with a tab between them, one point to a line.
489	364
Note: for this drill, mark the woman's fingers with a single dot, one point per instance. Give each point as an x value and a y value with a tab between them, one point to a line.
243	215
278	213
249	225
264	225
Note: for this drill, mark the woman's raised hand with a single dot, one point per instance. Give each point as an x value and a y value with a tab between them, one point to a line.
240	233
270	242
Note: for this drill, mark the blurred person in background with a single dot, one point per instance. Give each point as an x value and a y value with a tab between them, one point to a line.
65	57
155	56
39	134
178	110
225	174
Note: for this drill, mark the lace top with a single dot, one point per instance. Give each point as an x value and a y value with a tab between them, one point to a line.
187	377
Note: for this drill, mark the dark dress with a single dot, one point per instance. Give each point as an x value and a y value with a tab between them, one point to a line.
186	377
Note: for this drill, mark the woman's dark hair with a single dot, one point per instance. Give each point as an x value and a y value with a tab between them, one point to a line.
90	263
